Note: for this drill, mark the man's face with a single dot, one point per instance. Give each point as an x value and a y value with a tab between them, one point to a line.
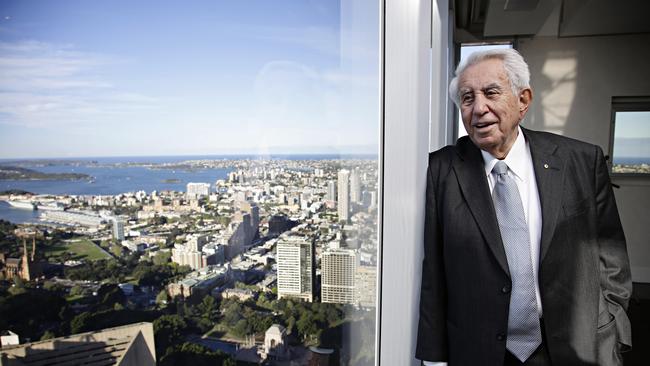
490	111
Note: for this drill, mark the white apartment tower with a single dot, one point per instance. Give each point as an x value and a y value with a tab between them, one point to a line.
338	268
343	202
296	268
197	190
118	229
331	191
355	186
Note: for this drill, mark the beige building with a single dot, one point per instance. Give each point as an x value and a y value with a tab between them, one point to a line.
338	268
365	286
343	201
129	345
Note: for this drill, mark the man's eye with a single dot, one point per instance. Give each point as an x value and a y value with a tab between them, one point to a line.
491	92
466	98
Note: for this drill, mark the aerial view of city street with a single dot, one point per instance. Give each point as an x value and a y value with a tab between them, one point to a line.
197	185
283	245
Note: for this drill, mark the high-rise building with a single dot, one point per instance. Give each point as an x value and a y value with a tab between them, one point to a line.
343	202
296	267
242	231
355	186
184	256
118	229
198	190
278	224
338	268
373	199
190	253
331	191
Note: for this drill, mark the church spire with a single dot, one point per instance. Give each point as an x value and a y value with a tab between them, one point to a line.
26	274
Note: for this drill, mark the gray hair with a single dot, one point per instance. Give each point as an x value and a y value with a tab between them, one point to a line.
514	65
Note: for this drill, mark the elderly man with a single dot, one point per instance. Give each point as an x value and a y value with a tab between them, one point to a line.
524	255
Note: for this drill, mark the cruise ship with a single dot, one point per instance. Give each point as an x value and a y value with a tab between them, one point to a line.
25	205
50	206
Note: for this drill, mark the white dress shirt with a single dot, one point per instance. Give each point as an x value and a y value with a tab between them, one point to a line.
520	167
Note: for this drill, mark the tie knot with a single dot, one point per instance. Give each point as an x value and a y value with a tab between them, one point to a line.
500	168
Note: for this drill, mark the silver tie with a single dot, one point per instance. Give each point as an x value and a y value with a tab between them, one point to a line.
524	332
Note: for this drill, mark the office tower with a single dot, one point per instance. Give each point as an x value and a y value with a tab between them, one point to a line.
331	190
355	186
254	211
338	268
198	190
296	268
373	199
278	224
343	201
118	229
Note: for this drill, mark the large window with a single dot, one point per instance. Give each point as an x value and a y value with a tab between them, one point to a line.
630	144
208	166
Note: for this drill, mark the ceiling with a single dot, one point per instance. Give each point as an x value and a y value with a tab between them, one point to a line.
485	19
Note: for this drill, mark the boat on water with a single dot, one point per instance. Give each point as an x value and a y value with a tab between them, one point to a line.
52	206
24	205
35	205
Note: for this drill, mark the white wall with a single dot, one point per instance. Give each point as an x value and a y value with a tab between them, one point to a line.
574	80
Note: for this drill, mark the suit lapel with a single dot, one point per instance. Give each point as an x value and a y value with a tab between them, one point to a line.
473	183
549	173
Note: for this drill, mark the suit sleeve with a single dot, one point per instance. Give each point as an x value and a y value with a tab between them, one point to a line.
615	277
432	326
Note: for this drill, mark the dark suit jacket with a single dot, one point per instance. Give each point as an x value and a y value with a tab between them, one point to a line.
584	274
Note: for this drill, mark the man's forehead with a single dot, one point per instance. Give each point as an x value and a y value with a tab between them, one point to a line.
483	74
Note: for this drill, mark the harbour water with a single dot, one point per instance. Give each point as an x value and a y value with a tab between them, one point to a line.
109	180
17	215
111	176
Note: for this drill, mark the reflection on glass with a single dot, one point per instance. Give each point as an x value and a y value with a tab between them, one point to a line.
206	166
631	142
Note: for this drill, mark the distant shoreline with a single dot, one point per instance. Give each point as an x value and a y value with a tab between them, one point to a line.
14	173
80	160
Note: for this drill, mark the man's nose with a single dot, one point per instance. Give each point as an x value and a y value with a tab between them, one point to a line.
480	105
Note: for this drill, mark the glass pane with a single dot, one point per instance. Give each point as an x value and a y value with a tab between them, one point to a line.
631	142
210	167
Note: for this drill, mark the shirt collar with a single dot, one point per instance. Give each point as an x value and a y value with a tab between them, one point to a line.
516	158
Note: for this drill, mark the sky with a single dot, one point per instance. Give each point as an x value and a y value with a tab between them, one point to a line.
127	78
632	134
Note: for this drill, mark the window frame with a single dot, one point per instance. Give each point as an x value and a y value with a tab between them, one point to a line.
624	104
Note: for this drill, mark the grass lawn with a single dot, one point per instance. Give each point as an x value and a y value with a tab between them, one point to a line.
78	248
221	331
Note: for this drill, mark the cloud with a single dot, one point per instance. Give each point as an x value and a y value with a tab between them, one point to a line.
45	84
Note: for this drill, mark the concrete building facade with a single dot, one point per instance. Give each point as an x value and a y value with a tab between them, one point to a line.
296	268
338	267
343	201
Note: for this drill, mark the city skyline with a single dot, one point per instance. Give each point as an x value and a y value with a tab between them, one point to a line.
89	79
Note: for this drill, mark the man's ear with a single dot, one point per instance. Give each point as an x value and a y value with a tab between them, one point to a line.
525	98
